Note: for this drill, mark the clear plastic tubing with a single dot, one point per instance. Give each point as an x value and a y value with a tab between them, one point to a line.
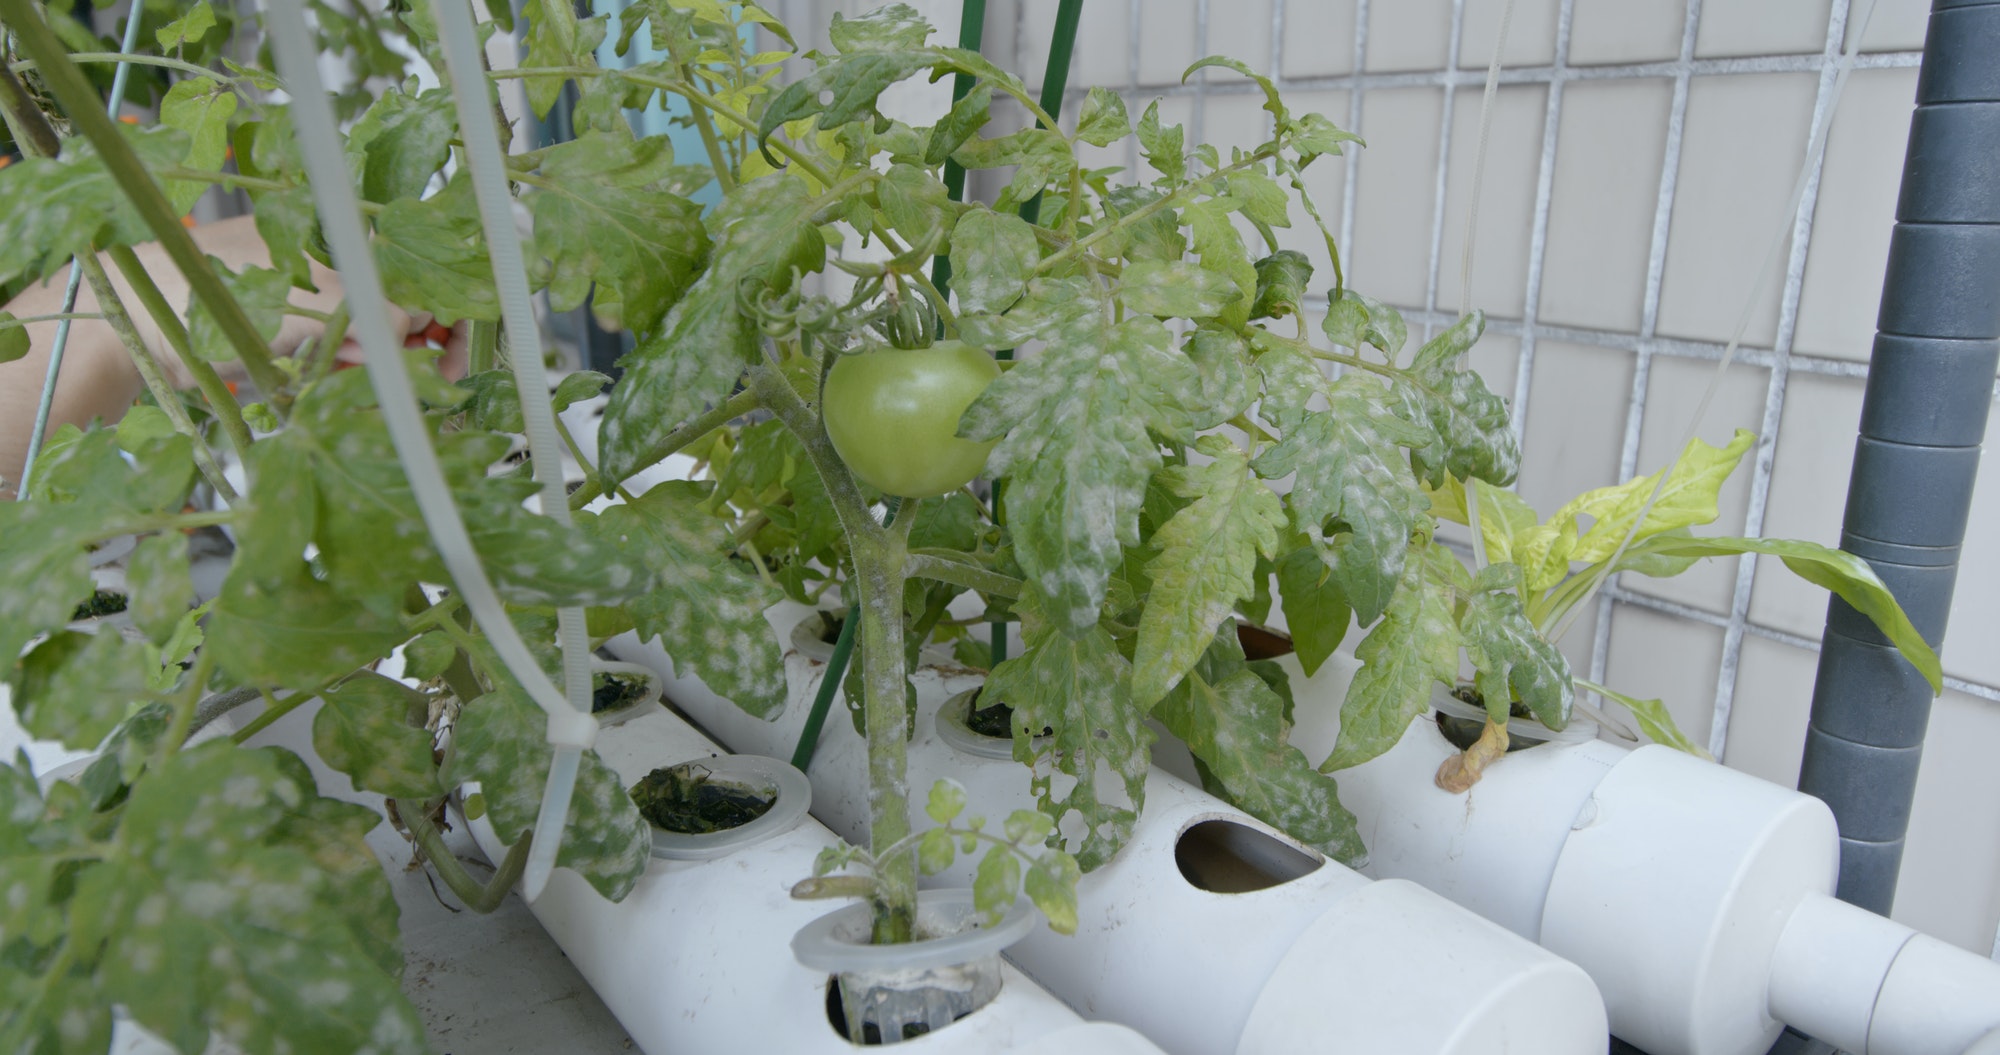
346	232
118	79
524	344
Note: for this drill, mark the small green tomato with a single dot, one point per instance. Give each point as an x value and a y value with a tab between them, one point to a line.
893	416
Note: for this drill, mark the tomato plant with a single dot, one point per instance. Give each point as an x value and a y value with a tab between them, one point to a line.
893	416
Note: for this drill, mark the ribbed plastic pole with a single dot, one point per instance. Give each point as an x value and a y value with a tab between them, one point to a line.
1930	387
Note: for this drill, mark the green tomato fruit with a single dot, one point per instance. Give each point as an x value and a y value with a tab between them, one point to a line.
893	416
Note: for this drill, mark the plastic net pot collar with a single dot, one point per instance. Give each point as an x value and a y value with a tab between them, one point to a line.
891	993
791	791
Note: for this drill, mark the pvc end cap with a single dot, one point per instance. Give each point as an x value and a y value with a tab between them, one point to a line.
572	728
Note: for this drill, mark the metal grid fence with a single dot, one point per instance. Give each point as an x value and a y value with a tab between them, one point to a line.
1645	344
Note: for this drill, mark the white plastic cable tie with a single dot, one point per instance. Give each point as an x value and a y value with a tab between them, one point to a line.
572	728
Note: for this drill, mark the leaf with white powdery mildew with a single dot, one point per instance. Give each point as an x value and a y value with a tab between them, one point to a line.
708	612
1473	435
1207	555
992	257
605	215
363	730
1176	289
1079	687
1414	648
221	915
1355	496
1079	452
1235	724
502	744
1511	657
763	231
76	687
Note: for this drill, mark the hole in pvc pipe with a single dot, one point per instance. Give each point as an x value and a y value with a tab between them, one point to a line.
1224	857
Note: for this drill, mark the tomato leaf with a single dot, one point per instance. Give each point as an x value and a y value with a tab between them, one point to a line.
1051	885
707	611
1079	687
1316	610
400	143
1234	724
1163	145
1313	135
1689	498
1473	436
1510	656
964	120
1176	290
54	208
1219	246
1207	553
202	108
1654	720
606	215
363	730
1282	278
1354	496
14	341
433	256
1102	121
187	29
1041	158
1079	452
260	291
1357	319
1272	101
763	231
914	202
1415	647
556	37
1843	573
160	588
502	744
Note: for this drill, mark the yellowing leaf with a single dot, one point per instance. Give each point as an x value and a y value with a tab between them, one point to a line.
1207	554
1689	498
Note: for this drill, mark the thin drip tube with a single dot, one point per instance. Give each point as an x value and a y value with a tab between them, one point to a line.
118	79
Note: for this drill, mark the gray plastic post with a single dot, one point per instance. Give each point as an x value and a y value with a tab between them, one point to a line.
1930	388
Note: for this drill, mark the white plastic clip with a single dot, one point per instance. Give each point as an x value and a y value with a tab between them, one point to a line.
572	728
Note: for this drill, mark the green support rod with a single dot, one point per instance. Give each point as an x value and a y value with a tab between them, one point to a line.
1055	79
971	31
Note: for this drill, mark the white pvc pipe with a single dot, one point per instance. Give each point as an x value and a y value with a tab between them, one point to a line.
698	957
1390	968
570	730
